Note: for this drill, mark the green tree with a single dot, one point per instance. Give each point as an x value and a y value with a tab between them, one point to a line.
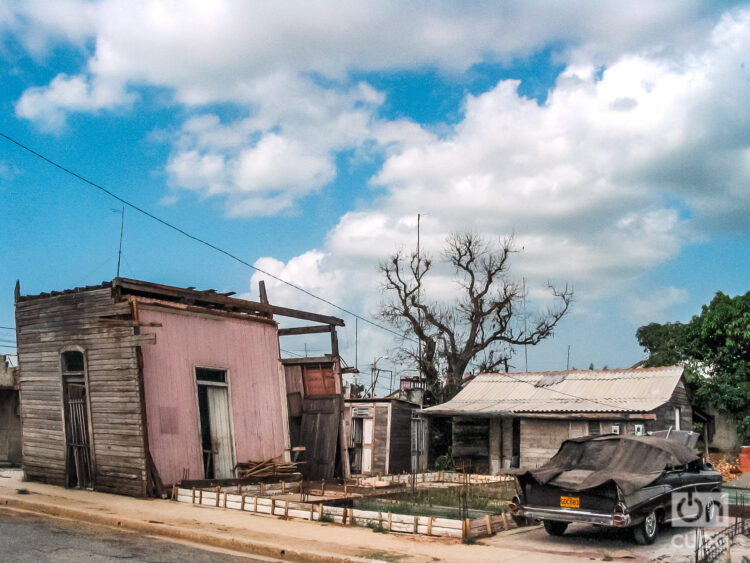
715	349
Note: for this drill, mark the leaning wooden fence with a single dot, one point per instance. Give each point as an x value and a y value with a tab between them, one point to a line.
385	521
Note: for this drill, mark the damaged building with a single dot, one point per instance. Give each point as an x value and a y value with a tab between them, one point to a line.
130	386
505	420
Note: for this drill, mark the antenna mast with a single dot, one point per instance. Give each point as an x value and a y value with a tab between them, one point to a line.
119	252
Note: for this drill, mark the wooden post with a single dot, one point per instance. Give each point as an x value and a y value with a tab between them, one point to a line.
343	518
323	488
505	522
225	499
429	525
239	489
193	495
468	527
390	522
312	509
200	496
320	511
283	490
218	494
345	488
242	505
273	505
262	489
255	504
488	523
416	524
174	492
286	508
380	520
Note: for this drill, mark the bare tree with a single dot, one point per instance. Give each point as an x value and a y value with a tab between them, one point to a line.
481	326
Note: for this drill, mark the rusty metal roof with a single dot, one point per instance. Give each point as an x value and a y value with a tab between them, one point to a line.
612	390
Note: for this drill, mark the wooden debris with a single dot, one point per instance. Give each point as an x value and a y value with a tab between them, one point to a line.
267	468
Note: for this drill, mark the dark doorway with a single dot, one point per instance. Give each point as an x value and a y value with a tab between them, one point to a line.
516	444
78	469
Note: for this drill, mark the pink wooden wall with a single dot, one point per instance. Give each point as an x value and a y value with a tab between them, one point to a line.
249	351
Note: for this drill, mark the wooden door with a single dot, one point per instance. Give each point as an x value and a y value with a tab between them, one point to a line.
78	470
221	433
319	434
367	434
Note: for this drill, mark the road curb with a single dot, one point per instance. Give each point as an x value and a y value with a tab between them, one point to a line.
163	530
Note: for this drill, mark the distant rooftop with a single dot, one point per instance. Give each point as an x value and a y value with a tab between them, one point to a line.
611	390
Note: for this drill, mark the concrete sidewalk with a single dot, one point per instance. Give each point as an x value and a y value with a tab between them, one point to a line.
264	536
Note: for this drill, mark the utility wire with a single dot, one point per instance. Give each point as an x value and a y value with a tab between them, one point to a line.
193	237
8	327
238	259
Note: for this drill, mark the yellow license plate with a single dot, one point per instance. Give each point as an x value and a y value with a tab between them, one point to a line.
570	502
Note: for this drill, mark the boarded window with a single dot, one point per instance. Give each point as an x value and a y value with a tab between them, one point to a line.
594	429
319	380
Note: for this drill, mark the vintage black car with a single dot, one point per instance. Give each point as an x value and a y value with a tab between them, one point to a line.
613	480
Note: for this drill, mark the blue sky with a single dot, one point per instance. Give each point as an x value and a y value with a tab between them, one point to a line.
611	139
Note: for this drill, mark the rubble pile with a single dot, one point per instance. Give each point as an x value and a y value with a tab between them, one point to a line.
728	468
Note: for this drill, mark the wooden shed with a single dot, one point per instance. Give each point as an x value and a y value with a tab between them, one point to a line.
10	419
504	420
384	435
130	385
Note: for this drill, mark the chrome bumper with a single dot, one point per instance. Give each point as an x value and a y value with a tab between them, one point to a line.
569	515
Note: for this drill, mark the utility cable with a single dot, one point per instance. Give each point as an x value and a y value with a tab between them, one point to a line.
193	237
234	257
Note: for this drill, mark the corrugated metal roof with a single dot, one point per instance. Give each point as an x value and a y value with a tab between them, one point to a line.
613	390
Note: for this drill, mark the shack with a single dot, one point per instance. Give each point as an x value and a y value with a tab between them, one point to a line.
129	386
10	418
504	420
386	436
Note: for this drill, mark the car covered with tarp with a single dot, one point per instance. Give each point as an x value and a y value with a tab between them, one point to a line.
613	480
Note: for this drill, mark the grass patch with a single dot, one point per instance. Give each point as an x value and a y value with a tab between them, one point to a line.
325	518
442	502
377	527
383	556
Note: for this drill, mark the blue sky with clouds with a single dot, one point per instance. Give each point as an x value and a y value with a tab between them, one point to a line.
612	138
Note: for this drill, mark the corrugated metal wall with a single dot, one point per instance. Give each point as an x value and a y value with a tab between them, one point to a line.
249	352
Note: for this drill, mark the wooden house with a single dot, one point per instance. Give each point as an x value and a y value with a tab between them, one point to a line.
503	420
130	385
385	436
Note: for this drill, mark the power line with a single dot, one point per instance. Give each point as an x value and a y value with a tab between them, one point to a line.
193	237
8	327
233	257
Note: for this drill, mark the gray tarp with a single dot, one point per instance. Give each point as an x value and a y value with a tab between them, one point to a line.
631	462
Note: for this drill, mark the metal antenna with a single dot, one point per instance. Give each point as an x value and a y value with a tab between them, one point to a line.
119	252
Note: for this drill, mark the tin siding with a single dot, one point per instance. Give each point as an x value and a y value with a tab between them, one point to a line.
247	350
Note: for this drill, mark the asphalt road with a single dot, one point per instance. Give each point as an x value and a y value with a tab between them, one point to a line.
31	538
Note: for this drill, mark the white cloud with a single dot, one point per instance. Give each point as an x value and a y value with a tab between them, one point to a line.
641	145
48	105
655	307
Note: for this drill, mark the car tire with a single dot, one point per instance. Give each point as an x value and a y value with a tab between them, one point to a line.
555	528
645	532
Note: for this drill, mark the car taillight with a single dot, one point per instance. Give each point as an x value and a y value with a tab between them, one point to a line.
618	514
